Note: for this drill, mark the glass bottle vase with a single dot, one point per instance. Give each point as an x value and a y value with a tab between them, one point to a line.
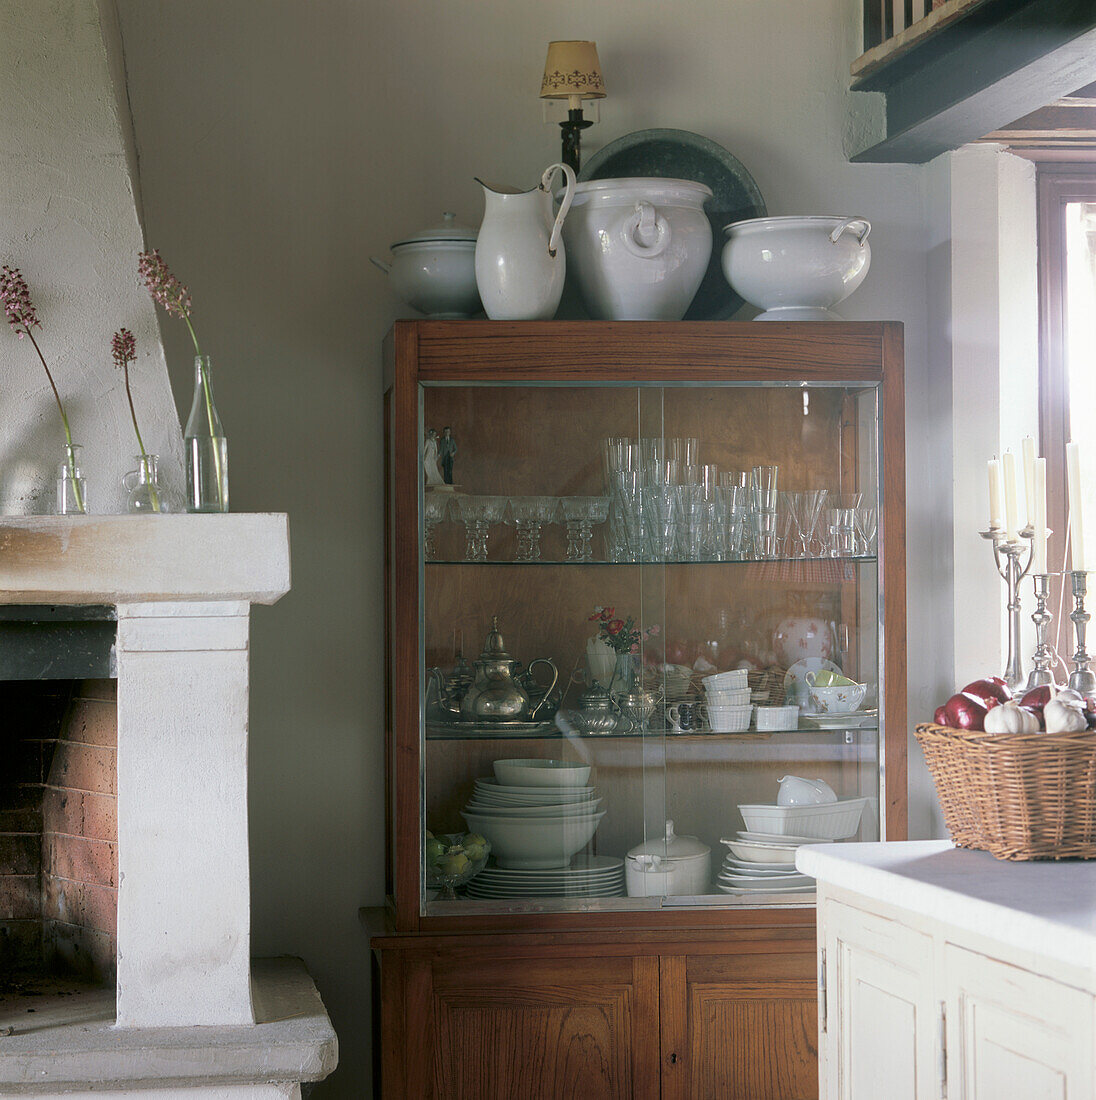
206	447
72	491
146	494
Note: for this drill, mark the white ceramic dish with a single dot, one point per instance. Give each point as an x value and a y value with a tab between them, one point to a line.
766	853
796	690
563	809
541	773
732	679
731	861
841	721
731	697
796	268
580	865
638	248
777	718
534	843
797	890
785	839
835	821
782	883
729	719
795	790
735	867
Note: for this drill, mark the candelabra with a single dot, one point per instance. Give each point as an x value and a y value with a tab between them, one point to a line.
1045	658
1081	679
1012	573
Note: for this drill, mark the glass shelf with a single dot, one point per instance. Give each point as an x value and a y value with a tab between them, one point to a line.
439	733
860	559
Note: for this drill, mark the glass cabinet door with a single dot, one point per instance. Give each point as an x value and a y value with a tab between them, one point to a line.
650	641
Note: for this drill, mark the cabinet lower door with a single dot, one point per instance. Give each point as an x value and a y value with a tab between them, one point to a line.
538	1028
1015	1034
741	1026
881	1034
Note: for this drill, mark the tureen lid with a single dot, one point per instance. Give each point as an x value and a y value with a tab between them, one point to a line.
449	230
671	846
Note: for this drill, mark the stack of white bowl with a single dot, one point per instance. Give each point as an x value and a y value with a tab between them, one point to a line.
537	814
727	695
757	864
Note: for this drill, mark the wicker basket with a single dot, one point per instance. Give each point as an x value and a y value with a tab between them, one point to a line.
1016	795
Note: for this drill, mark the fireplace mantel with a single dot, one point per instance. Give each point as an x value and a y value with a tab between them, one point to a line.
182	586
142	559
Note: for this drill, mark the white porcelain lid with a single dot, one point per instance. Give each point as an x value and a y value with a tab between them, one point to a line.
672	846
449	230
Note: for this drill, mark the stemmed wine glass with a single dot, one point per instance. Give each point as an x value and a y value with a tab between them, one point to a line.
479	514
435	508
528	515
580	514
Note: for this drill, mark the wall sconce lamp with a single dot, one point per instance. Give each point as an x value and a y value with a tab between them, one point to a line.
572	72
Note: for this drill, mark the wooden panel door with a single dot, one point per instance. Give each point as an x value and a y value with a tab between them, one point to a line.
880	1036
545	1028
1013	1033
740	1027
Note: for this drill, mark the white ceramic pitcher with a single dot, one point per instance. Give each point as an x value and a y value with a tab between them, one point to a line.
520	260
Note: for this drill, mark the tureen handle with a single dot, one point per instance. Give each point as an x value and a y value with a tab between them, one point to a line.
852	223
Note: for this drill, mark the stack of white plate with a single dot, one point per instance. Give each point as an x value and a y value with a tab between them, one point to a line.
761	863
587	877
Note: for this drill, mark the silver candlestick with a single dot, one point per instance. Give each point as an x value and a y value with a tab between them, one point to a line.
1081	679
1012	573
1045	658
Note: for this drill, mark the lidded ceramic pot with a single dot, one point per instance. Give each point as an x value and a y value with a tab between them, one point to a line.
638	247
435	271
687	857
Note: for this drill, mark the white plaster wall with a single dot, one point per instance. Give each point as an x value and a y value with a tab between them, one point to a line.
69	223
280	145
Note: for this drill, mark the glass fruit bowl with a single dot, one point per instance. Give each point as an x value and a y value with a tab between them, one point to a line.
451	859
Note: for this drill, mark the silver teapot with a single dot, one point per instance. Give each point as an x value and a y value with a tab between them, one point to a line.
496	694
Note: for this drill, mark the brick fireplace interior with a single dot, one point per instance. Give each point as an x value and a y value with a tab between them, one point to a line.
58	831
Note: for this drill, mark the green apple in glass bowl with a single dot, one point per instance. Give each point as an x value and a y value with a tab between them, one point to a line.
451	859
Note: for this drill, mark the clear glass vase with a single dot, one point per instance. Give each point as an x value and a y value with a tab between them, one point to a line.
146	495
206	447
72	492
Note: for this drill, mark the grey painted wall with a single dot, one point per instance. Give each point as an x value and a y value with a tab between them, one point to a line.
280	144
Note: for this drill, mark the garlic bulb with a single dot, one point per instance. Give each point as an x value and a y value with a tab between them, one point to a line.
1064	715
1011	718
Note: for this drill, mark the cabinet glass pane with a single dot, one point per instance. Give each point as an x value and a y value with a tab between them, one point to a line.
726	527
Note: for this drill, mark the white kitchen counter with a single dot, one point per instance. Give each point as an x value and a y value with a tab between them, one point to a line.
1048	908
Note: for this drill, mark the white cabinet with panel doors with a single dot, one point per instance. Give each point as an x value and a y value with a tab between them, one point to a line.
947	974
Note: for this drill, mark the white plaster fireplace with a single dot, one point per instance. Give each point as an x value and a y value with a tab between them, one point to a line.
187	998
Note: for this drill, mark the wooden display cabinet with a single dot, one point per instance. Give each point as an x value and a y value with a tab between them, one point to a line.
524	984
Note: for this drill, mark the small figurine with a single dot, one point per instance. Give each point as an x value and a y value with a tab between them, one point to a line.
430	459
447	448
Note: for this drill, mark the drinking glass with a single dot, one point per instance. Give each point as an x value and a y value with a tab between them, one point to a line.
866	526
580	514
528	515
696	528
763	498
627	534
683	451
661	514
479	514
810	511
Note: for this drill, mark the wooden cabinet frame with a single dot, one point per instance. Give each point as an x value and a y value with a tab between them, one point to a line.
421	953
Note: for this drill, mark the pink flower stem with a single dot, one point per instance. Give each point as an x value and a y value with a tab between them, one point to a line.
64	420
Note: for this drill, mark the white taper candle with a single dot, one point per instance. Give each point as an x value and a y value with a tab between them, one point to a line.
994	493
1027	451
